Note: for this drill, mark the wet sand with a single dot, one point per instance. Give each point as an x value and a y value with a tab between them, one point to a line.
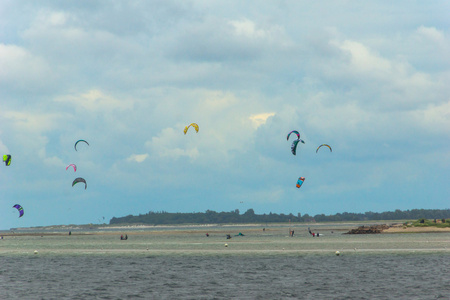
214	229
401	229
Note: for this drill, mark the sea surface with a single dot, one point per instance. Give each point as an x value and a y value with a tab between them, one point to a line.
183	263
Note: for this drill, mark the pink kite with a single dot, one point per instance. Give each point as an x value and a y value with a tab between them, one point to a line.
74	167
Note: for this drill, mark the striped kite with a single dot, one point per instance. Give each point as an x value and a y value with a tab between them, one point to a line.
325	146
293	131
300	182
20	209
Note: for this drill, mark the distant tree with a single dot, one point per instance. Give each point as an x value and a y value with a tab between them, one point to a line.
249	216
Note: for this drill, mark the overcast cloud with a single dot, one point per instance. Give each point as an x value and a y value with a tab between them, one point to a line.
372	79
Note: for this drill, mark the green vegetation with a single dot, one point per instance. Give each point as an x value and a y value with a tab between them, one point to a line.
212	217
439	223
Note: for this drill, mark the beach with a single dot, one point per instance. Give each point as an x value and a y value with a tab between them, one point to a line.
212	239
401	229
340	227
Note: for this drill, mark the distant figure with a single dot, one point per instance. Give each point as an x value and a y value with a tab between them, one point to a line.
126	236
70	232
207	234
313	234
228	236
121	237
317	234
264	229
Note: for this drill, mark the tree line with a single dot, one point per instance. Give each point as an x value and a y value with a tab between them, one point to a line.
212	217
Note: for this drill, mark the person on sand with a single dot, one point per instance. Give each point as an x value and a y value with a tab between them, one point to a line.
313	234
207	234
317	234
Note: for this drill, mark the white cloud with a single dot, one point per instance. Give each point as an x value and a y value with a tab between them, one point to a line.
137	157
431	33
364	60
55	18
434	118
167	145
31	121
52	161
218	39
96	101
260	119
21	69
248	29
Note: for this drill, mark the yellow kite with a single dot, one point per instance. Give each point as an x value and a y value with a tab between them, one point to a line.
193	125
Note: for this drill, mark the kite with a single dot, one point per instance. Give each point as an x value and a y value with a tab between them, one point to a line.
325	146
193	125
7	159
20	209
293	131
75	146
294	146
74	167
300	182
79	179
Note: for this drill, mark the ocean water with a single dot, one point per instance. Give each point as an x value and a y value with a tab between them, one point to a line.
185	264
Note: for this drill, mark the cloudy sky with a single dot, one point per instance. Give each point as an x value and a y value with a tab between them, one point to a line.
371	79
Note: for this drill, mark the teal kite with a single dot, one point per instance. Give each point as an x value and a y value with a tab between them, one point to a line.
75	146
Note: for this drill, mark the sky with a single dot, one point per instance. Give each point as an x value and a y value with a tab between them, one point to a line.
371	79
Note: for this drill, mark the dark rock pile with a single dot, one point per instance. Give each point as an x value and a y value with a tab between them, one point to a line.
368	229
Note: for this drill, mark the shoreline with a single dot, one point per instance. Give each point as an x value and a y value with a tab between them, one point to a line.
400	229
59	230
